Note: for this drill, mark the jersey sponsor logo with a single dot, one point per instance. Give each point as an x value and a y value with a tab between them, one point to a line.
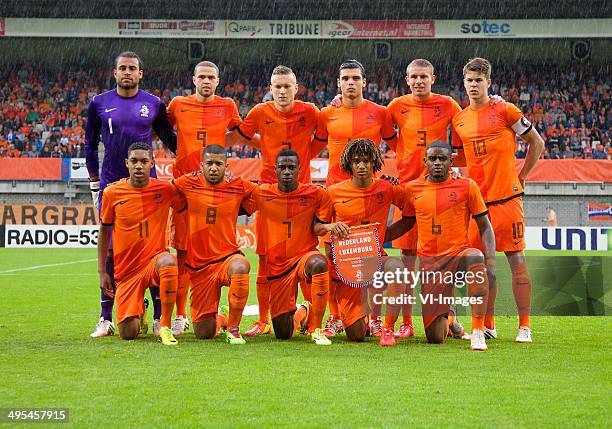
418	197
404	112
109	110
269	122
144	111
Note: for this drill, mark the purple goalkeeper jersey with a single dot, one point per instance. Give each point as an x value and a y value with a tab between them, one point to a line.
121	121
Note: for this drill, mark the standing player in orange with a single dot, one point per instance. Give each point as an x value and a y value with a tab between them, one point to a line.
441	207
214	259
487	133
422	117
284	123
356	118
287	210
363	199
137	210
200	119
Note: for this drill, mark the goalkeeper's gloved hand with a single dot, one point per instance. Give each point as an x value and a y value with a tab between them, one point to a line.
94	187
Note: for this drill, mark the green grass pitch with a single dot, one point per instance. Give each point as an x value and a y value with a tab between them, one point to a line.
47	359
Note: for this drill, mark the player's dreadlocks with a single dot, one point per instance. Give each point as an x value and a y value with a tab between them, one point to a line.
362	148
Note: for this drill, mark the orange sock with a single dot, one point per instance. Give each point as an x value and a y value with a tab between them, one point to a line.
490	315
221	323
394	290
238	295
521	287
478	286
306	291
298	317
319	292
168	284
332	301
182	292
263	290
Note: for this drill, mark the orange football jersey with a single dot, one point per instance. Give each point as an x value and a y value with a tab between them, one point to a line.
198	125
286	222
356	206
338	125
488	139
139	217
283	130
213	213
442	212
420	123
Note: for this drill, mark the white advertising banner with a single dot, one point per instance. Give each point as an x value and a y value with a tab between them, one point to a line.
566	238
307	29
78	169
524	28
50	236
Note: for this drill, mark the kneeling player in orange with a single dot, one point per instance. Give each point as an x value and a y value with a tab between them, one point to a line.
442	206
214	259
362	200
288	210
137	209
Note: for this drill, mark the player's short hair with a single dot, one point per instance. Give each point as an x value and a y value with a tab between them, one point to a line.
206	64
287	152
420	62
128	54
360	147
139	146
282	70
214	149
353	64
441	145
478	65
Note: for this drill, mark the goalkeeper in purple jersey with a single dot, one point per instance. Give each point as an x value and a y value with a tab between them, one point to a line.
122	116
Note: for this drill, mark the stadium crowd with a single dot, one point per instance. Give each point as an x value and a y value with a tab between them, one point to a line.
42	112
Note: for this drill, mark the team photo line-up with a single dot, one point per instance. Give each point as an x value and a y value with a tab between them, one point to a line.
451	225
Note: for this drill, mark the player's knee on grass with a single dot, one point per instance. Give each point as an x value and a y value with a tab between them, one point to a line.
239	266
357	331
283	326
436	332
207	328
316	264
129	328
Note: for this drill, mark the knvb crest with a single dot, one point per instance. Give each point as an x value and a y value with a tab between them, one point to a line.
302	122
144	111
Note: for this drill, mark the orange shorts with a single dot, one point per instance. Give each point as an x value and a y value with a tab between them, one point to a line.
407	241
180	237
508	222
130	293
206	287
432	286
352	303
283	289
